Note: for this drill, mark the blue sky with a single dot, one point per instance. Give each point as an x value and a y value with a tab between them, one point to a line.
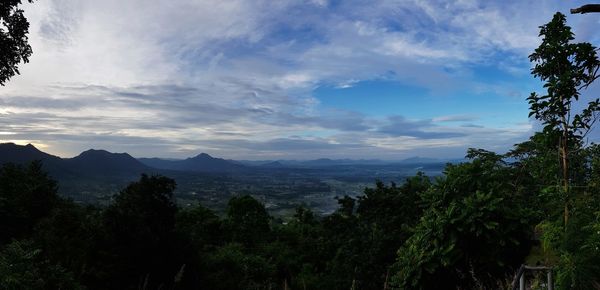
280	79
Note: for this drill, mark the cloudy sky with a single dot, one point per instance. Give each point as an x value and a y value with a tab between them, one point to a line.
286	79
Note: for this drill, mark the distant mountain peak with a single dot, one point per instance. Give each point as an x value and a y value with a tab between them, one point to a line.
98	161
22	148
103	153
13	145
94	151
200	163
23	154
324	159
273	164
203	155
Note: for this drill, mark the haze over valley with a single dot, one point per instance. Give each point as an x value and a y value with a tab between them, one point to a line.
94	176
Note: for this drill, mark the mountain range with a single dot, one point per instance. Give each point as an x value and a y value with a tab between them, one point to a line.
90	162
101	162
94	176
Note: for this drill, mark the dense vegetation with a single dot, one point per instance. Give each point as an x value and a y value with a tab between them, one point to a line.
469	229
142	240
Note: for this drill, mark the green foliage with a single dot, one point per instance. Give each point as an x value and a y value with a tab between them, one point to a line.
565	67
67	235
136	239
473	231
232	268
22	267
144	212
200	225
15	47
247	220
578	248
141	240
592	159
27	195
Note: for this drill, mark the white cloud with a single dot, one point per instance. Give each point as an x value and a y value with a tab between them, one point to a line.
179	73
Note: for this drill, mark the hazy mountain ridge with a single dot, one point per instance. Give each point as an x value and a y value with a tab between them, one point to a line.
199	163
98	161
325	162
94	176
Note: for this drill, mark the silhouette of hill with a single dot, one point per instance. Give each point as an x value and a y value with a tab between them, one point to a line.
84	177
200	163
91	163
420	160
102	162
11	152
23	154
273	164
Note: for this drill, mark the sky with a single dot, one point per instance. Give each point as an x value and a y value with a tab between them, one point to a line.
280	79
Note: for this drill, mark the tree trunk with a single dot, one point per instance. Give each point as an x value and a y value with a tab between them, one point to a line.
565	167
385	284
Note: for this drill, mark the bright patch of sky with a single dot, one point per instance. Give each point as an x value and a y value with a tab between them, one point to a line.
280	79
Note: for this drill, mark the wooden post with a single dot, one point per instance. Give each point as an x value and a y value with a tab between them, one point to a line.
517	277
550	282
354	279
522	282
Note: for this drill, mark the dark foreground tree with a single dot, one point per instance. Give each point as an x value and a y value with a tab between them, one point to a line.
136	239
27	195
14	45
247	221
22	266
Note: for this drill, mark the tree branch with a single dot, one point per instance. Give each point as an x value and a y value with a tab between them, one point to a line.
586	9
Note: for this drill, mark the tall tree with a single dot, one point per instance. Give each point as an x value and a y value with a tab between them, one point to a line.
248	220
14	43
566	68
27	195
135	242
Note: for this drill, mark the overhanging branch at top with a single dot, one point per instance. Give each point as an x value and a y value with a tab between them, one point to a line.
586	9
